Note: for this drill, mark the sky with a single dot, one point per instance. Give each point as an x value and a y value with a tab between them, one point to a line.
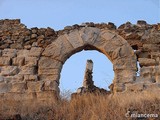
60	13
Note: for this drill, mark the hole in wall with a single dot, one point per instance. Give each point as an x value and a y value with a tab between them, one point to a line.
73	71
134	47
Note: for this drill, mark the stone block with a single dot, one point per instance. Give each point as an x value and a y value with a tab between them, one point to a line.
135	87
107	35
34	36
89	35
153	86
47	94
129	63
46	77
125	77
22	53
5	87
9	70
48	71
14	78
16	46
51	85
75	39
17	96
122	52
150	47
27	70
157	77
144	55
9	53
31	61
19	61
118	87
146	62
35	52
60	49
4	61
1	79
154	55
30	78
35	86
46	62
146	71
19	87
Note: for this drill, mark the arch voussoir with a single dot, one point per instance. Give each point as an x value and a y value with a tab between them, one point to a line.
89	35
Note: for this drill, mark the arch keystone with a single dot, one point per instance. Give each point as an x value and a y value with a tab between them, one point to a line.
89	35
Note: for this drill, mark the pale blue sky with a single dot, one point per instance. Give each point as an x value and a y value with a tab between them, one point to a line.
60	13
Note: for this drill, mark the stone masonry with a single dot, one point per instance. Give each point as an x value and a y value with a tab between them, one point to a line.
31	59
88	83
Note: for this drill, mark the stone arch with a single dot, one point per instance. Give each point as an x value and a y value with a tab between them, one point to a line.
116	49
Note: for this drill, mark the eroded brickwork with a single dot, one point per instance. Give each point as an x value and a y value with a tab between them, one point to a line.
31	59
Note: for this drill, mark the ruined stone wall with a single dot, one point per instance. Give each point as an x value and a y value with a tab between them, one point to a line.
31	59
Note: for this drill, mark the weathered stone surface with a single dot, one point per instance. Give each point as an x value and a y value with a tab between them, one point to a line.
117	46
31	61
22	53
107	35
16	46
47	77
19	61
47	94
147	74
154	37
51	85
47	71
9	70
33	86
18	97
27	70
46	62
1	79
30	78
146	70
146	62
5	61
154	86
9	53
125	64
89	35
33	36
14	78
135	87
151	47
5	87
35	51
75	39
119	87
19	87
124	76
59	49
122	52
143	55
88	82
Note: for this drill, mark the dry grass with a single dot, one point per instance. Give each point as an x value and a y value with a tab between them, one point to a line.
98	107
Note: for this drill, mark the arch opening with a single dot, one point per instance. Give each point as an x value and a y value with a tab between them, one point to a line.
73	71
